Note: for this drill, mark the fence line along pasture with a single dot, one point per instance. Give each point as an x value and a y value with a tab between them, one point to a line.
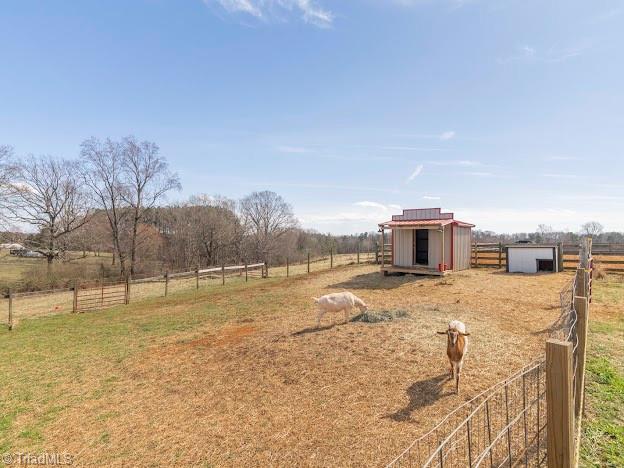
95	295
610	257
532	418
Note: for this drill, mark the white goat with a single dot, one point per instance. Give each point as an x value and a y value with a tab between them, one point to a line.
336	302
456	348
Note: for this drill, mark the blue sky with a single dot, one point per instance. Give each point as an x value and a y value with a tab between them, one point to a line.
509	113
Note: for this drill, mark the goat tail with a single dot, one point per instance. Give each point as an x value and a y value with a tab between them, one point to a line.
315	299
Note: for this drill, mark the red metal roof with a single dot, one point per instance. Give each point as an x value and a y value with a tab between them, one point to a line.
425	222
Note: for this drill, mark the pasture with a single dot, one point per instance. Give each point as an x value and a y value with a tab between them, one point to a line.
236	375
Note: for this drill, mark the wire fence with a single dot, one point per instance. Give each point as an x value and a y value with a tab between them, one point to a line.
95	295
506	425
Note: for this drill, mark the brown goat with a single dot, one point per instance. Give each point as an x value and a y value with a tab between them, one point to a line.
456	348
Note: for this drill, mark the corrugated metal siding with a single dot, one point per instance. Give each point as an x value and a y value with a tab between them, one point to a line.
461	248
447	245
435	248
524	260
420	213
403	247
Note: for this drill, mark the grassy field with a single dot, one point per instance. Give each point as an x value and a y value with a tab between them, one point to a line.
13	269
235	375
603	425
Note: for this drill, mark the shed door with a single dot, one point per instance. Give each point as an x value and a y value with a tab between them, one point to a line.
421	247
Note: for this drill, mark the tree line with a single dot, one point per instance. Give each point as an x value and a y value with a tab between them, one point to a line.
112	200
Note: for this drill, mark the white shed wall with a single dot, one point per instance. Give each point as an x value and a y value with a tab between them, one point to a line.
461	247
402	255
524	260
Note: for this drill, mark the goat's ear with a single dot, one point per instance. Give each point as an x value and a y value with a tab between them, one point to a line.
441	333
465	334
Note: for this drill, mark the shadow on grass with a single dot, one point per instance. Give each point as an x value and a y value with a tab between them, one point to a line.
422	393
376	280
305	331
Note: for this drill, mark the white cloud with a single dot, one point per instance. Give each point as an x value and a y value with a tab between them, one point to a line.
562	158
408	148
268	10
447	135
456	162
395	207
528	54
428	197
560	176
479	174
371	204
416	173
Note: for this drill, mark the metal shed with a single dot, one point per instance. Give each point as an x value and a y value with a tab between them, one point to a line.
425	241
533	258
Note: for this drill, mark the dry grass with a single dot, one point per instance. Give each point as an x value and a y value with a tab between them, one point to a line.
252	384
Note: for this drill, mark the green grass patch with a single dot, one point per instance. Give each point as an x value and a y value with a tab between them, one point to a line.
53	363
603	425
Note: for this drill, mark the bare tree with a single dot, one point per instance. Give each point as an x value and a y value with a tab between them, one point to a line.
47	194
267	218
103	173
146	181
592	228
5	177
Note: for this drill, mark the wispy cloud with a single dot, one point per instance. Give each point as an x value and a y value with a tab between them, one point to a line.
409	148
429	197
269	10
371	204
479	174
447	135
528	54
415	173
560	176
456	162
562	158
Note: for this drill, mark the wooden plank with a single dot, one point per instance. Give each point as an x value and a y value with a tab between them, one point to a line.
559	404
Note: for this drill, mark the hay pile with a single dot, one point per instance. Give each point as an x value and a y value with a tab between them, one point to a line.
372	316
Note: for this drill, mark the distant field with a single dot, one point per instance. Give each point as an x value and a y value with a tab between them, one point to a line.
13	268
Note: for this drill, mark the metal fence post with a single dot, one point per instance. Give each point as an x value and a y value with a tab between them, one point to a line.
166	283
10	310
331	257
75	302
222	275
308	262
358	253
582	313
197	277
287	269
128	289
246	273
559	404
266	269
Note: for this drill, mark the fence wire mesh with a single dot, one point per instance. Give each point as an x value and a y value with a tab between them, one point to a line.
505	425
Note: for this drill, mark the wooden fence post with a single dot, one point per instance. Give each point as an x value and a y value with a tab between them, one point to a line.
559	404
331	257
500	255
308	262
287	270
197	277
581	305
222	275
75	303
266	269
581	283
376	255
246	273
10	310
128	281
476	250
166	283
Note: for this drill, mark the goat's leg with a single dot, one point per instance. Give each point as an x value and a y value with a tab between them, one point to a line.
452	372
347	313
319	317
457	376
